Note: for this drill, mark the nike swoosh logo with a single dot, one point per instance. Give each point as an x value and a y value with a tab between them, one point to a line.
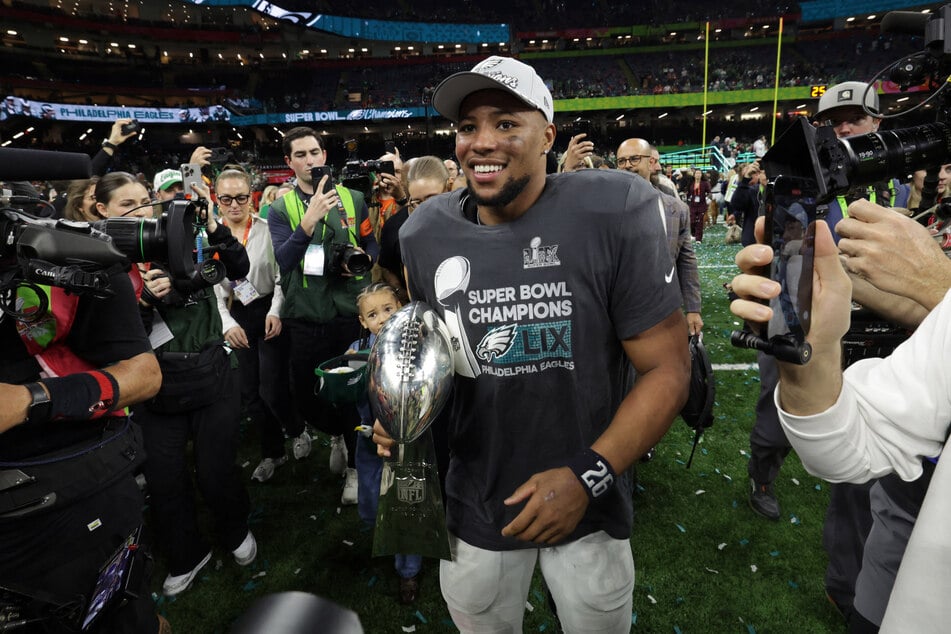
670	275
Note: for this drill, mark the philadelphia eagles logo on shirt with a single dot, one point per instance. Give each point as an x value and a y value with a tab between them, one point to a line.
496	342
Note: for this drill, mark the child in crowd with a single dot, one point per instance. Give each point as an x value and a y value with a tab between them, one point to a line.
376	303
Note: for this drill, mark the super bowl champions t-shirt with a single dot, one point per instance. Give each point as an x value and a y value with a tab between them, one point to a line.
537	309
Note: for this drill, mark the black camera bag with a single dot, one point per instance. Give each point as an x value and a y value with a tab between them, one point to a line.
190	380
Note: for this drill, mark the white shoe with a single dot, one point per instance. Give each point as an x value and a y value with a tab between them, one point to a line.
247	551
338	455
350	488
175	585
302	445
265	469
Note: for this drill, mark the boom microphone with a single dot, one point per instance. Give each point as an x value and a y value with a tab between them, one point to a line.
27	165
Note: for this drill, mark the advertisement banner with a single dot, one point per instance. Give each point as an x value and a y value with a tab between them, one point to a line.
17	106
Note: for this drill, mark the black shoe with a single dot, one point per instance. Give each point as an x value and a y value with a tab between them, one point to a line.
649	454
763	501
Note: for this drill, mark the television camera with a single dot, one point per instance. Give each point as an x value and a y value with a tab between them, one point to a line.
77	255
357	174
808	167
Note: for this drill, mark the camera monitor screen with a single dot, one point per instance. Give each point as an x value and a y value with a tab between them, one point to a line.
112	582
790	223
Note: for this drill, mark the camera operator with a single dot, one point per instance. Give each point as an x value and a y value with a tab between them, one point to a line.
199	401
308	227
122	130
848	518
63	425
853	426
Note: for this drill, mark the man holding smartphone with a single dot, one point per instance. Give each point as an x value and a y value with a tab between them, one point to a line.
320	310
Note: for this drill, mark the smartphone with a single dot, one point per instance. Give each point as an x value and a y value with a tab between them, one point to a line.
791	213
219	155
387	167
191	174
316	173
132	126
112	586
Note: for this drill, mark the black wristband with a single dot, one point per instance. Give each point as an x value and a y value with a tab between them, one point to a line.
593	471
106	143
402	201
82	396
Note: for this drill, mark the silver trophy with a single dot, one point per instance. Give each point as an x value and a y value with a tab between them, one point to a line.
409	378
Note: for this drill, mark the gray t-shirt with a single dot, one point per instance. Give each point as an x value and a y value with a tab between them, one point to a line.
537	309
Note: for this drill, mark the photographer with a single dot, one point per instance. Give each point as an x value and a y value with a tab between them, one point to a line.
389	190
311	227
198	402
64	426
854	425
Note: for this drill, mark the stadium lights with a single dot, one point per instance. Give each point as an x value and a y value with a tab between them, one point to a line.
871	17
63	39
706	113
5	143
754	108
323	51
902	99
802	105
619	117
662	116
11	32
851	19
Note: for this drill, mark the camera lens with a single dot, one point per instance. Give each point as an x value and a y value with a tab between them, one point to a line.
139	239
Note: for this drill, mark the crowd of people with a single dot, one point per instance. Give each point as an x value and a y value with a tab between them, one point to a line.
312	269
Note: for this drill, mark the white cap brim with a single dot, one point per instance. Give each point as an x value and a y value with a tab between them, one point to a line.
453	90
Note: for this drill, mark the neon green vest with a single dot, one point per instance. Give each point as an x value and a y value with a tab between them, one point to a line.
320	298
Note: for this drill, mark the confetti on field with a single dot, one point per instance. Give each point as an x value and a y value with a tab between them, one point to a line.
246	463
538	595
753	567
744	454
794	520
750	629
716	572
744	542
795	481
251	585
818	487
542	627
409	628
348	542
793	584
529	606
721	546
371	582
652	600
419	615
677	630
313	517
302	492
263	573
728	478
633	618
297	572
774	553
699	492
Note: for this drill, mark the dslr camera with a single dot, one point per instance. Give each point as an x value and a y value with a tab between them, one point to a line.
343	257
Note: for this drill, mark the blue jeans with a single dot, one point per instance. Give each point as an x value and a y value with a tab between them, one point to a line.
369	472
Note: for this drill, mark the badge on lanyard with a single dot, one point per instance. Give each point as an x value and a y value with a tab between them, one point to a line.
245	291
314	260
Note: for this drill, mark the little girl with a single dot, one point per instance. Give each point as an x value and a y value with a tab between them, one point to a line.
376	303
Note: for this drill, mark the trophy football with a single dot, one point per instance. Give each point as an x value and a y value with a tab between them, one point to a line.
409	378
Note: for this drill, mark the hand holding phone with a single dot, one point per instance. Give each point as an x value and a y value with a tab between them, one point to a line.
191	175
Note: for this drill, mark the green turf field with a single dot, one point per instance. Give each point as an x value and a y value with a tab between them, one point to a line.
705	562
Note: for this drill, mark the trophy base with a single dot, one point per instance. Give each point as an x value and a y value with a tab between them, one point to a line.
410	518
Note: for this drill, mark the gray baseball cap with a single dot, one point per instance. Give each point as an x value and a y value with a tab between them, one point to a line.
848	93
